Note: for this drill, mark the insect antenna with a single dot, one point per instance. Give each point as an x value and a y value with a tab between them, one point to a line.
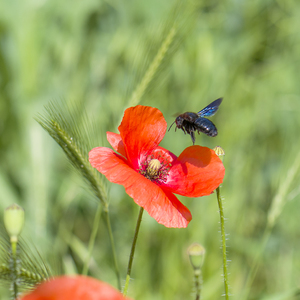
171	126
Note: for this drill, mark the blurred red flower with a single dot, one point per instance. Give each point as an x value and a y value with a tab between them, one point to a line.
150	173
74	288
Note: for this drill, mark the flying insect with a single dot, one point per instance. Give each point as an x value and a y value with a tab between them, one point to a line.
190	122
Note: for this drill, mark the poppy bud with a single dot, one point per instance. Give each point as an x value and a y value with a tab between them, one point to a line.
196	254
219	151
14	221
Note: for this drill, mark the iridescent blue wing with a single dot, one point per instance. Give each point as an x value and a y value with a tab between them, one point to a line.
210	109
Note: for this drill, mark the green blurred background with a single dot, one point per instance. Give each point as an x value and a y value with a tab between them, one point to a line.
95	53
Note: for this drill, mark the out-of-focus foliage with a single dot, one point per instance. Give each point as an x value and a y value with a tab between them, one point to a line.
94	53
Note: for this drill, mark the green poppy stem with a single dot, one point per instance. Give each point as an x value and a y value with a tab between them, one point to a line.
14	270
222	222
92	239
137	229
198	281
107	219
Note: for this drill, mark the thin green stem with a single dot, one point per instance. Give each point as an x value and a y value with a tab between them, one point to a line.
222	222
14	269
198	282
113	248
92	239
256	262
275	210
154	66
137	229
14	248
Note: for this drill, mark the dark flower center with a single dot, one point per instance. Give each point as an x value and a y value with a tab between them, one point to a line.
155	168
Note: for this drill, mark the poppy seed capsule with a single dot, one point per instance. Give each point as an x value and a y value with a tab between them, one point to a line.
196	254
14	221
153	168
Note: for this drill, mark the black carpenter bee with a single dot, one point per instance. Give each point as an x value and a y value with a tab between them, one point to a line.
190	122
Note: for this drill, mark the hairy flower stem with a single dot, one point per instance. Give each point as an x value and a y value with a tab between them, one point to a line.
198	281
14	267
92	239
137	229
222	222
107	219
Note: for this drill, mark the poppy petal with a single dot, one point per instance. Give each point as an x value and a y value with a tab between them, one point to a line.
74	287
168	155
116	142
141	130
197	172
162	205
110	164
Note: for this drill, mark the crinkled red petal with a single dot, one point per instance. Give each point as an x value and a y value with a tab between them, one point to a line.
141	130
197	172
74	288
109	163
162	205
116	142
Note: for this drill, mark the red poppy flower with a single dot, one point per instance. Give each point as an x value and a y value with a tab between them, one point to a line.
150	173
74	288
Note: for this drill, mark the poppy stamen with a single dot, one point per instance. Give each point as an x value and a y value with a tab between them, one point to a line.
155	169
